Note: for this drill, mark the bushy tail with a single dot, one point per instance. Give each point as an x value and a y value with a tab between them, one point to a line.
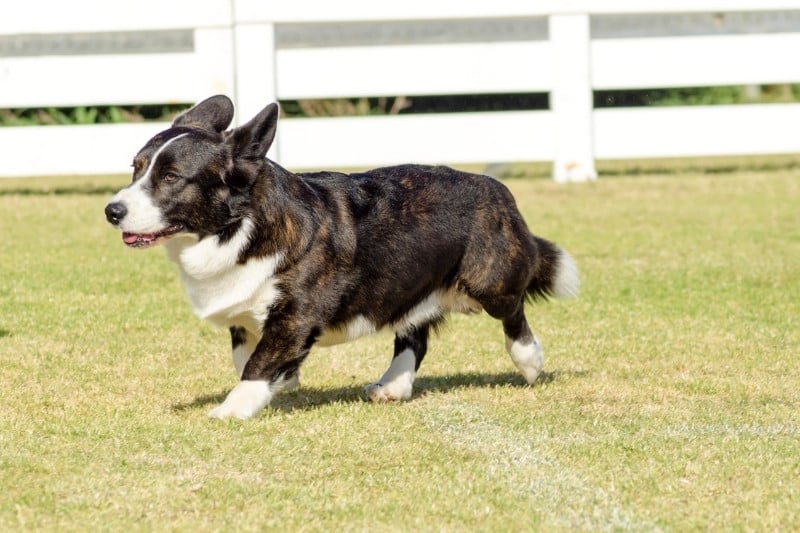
556	275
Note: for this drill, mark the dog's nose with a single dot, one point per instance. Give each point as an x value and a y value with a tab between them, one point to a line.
115	212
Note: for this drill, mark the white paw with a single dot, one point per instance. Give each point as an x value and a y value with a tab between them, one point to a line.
377	392
397	382
528	357
245	401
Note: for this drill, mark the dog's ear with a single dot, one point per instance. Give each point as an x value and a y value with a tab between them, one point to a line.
214	114
252	140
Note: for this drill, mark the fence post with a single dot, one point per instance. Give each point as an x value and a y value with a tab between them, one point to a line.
254	53
571	98
215	54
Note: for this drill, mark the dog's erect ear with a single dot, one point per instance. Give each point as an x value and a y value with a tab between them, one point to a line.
252	140
214	114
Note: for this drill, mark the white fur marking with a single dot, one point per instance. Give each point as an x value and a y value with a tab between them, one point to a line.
425	311
153	159
428	309
567	281
434	306
219	288
397	382
202	259
242	295
358	327
241	354
245	401
143	215
528	358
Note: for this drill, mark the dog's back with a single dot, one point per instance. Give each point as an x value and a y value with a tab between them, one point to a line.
412	230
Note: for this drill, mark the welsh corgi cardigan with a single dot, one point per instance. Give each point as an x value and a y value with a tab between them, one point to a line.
289	261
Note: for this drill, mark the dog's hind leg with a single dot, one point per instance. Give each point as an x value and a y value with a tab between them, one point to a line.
522	345
398	381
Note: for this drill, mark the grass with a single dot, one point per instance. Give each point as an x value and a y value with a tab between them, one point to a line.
669	401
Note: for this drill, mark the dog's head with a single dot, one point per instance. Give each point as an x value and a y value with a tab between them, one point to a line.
194	177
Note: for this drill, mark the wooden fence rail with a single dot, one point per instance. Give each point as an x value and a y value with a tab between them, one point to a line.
94	52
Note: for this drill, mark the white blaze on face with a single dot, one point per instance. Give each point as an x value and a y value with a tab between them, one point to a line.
143	215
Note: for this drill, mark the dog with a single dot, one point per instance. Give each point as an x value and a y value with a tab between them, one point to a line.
289	261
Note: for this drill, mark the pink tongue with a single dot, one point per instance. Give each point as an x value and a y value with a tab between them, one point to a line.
131	238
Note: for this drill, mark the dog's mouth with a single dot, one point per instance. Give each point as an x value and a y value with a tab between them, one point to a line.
143	240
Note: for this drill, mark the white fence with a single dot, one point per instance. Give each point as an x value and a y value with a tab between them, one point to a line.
233	50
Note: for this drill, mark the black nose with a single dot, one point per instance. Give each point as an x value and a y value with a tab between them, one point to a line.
115	212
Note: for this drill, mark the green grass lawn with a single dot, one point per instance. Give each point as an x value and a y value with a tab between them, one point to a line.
670	401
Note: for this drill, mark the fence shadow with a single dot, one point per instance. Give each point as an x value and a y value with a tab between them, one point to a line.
307	398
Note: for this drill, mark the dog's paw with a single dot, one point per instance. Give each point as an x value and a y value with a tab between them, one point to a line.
527	356
245	401
377	393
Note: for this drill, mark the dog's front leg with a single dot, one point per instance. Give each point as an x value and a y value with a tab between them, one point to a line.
243	344
273	367
246	400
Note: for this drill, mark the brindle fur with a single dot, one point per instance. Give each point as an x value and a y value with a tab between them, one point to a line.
372	244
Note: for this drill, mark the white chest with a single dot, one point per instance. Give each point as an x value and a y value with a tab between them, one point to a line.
220	289
239	296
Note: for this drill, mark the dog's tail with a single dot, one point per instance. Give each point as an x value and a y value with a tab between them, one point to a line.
556	274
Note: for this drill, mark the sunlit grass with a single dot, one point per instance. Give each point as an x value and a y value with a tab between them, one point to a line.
669	401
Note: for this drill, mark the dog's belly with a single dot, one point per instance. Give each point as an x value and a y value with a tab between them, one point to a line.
356	328
434	306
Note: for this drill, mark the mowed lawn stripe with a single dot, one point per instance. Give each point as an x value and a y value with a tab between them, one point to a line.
554	493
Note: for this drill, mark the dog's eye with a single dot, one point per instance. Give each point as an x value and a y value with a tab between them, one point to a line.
170	177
